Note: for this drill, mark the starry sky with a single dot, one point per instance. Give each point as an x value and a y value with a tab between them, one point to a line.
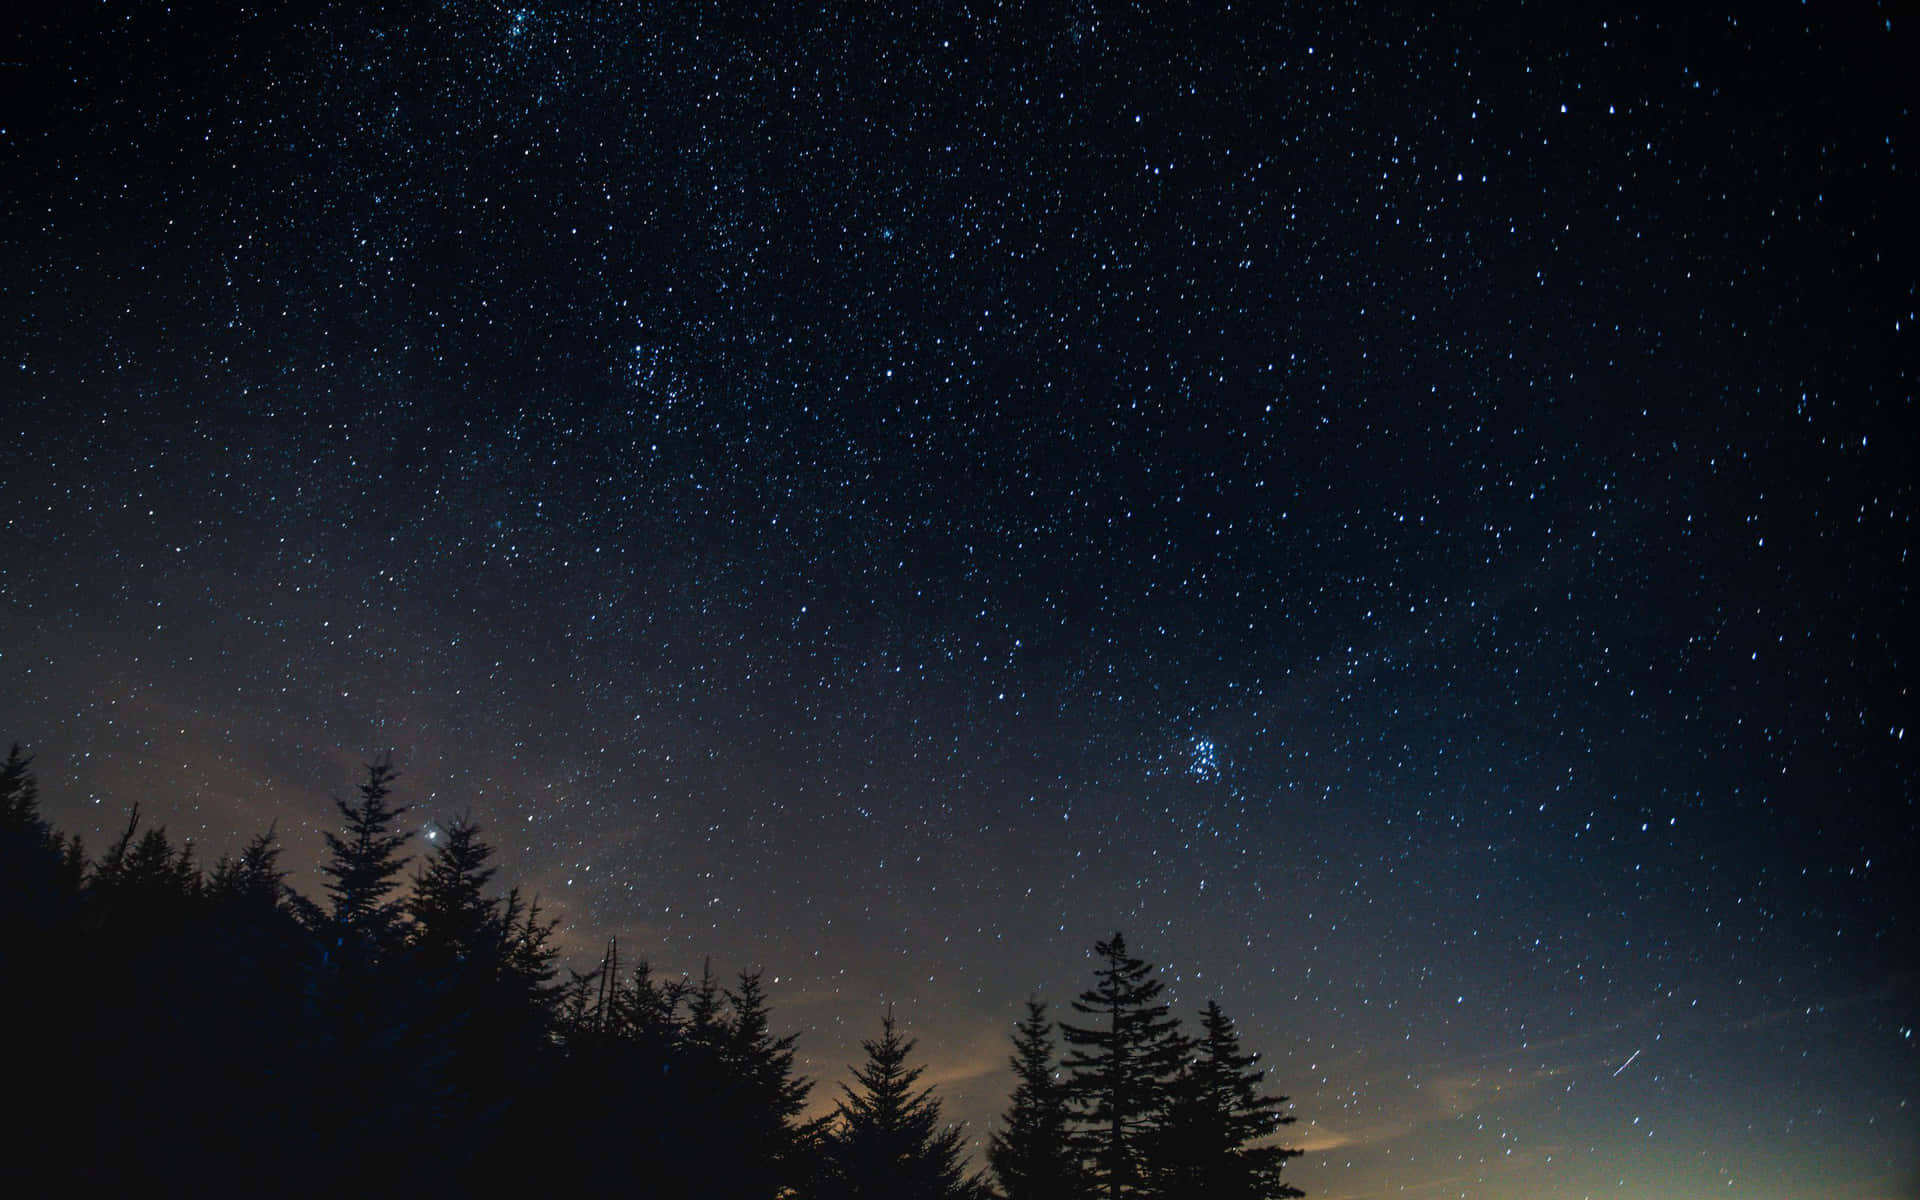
1401	513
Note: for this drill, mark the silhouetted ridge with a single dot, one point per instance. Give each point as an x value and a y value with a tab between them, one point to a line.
181	1028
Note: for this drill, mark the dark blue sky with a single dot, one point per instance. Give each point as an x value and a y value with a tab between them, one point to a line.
1409	518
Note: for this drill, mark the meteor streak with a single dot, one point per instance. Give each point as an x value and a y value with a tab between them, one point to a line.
1626	1064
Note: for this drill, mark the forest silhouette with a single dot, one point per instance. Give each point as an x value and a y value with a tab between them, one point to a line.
413	1029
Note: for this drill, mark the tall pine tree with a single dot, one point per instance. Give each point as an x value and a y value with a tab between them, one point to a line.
40	876
20	798
888	1142
364	865
1120	1068
1031	1153
50	1043
453	918
766	1095
1216	1141
486	973
377	1066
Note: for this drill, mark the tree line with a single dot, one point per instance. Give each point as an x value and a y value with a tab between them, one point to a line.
181	1025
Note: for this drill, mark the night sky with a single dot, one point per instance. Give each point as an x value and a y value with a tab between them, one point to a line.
1404	515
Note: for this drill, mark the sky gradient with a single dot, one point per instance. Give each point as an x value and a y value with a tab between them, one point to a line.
1404	516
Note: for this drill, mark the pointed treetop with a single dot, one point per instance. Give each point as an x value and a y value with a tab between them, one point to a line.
20	795
1031	1152
449	904
890	1140
364	862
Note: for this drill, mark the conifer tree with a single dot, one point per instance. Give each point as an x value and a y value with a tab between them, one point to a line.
695	1102
1214	1144
649	1012
253	877
40	875
143	886
377	1066
580	1016
1031	1153
20	798
72	872
766	1096
531	962
487	967
754	1055
256	930
705	1027
39	900
1120	1066
250	1010
252	912
452	916
888	1142
364	865
144	919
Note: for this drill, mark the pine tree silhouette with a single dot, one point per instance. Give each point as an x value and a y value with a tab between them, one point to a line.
20	798
451	915
144	917
252	877
249	996
1120	1067
364	866
1032	1153
40	876
531	962
888	1142
1213	1145
766	1096
50	1051
485	966
649	1011
143	885
377	1067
